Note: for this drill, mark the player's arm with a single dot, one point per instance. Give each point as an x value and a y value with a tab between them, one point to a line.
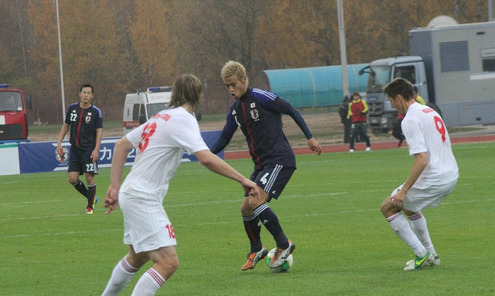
365	107
419	164
63	131
96	152
121	150
217	165
299	120
280	105
226	135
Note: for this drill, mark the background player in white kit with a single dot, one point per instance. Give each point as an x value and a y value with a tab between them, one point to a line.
432	177
147	230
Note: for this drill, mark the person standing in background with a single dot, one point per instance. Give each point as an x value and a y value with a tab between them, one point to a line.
358	110
85	122
343	111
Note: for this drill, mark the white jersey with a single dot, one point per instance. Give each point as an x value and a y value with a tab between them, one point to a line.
160	145
425	131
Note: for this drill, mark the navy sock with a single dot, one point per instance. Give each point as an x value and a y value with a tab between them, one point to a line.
91	195
81	188
252	226
270	221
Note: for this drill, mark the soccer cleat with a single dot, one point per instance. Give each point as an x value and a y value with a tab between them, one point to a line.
281	255
95	201
434	262
351	150
253	258
368	148
420	262
89	211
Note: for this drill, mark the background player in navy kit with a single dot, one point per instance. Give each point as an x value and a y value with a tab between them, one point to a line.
259	115
86	130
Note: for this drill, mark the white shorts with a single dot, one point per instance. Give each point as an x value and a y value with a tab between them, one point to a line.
419	199
146	224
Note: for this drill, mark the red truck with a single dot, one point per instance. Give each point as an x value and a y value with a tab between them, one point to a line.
13	114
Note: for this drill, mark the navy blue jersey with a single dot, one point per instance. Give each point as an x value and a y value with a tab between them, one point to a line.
259	115
83	124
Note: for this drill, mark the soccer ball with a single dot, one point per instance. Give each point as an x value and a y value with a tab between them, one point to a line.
282	268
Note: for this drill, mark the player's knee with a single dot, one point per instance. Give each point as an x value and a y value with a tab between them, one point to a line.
246	210
73	180
166	266
174	264
385	207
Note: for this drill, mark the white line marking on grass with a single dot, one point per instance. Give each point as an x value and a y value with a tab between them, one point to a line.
220	222
30	202
10	182
57	233
40	217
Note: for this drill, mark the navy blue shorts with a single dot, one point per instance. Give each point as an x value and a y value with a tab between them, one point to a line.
80	160
272	178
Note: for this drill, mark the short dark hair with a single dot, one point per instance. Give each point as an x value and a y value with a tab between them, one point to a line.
399	86
86	85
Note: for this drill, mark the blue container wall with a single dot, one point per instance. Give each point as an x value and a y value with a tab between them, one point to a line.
314	86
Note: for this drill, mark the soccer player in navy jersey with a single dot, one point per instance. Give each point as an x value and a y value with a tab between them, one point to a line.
86	131
258	113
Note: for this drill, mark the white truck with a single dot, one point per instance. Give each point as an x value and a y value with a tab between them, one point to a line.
453	67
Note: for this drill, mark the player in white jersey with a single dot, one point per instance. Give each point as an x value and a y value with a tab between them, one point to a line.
160	142
432	177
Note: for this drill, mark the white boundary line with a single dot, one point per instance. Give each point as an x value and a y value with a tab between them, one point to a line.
212	223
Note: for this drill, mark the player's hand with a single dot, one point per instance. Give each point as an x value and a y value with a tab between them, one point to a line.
250	187
60	150
112	198
94	155
314	146
398	199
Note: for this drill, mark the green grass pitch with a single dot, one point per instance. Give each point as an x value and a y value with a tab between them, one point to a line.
330	209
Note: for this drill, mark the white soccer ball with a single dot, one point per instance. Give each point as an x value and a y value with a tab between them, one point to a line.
282	268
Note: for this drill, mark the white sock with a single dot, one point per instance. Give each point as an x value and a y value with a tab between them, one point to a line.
418	225
148	284
121	276
401	227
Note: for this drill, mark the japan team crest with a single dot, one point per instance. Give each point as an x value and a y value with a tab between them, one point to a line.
88	117
62	158
254	114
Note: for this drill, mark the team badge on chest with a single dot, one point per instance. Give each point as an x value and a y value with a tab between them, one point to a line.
88	117
254	114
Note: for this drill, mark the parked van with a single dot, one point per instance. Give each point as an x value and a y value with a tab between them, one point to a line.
141	106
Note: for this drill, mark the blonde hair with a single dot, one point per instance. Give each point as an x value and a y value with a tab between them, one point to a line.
233	68
187	88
